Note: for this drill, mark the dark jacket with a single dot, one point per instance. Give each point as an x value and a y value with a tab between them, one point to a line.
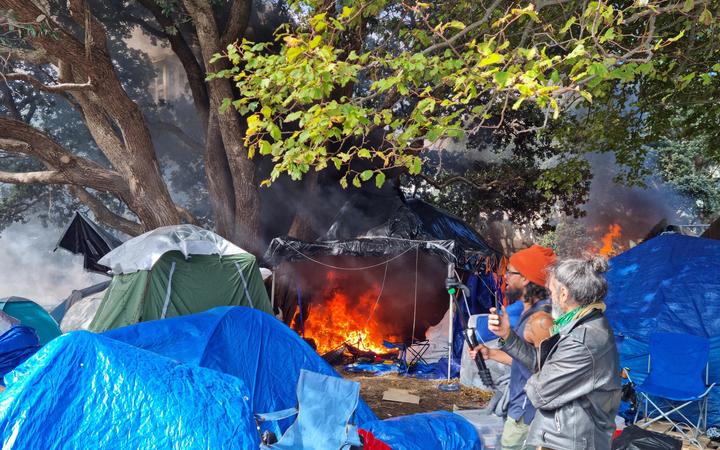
577	389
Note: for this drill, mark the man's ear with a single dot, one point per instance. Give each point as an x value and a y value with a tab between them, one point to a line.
525	281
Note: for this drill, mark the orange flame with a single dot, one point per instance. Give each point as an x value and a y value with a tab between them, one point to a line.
340	319
614	232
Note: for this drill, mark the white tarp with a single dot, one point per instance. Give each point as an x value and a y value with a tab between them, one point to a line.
81	313
437	337
142	252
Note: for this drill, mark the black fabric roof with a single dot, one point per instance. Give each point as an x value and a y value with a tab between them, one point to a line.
83	236
371	226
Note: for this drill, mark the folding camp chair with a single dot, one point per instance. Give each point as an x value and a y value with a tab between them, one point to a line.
409	354
325	407
677	377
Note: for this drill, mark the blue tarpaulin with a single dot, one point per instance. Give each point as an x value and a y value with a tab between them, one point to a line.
186	382
87	391
669	283
440	430
243	342
16	345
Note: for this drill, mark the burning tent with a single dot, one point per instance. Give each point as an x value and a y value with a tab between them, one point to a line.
379	272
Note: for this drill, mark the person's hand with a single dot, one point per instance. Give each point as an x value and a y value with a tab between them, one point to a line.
484	351
499	324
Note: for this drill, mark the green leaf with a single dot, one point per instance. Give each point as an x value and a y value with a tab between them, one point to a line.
343	182
567	25
266	111
265	147
364	153
679	35
502	78
688	6
294	52
579	50
455	24
356	182
226	102
587	96
366	175
346	11
492	58
517	103
315	42
293	116
275	132
379	179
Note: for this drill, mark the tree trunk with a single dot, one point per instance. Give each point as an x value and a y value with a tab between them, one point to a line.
246	230
220	187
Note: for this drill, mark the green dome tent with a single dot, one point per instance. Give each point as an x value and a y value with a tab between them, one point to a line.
175	271
32	315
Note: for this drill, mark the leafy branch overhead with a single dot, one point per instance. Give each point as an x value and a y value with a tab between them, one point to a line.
425	74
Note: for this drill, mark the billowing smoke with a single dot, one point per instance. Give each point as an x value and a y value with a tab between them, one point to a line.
635	209
29	267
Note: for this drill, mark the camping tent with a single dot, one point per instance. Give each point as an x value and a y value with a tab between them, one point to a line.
31	315
177	270
84	390
668	283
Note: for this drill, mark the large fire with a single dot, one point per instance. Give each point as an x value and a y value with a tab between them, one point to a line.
340	319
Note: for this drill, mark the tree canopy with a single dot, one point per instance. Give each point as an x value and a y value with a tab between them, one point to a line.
479	105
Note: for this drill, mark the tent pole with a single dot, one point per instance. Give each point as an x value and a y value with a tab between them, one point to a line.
451	268
272	288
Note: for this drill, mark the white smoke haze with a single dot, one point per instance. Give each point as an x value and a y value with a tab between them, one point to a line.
29	268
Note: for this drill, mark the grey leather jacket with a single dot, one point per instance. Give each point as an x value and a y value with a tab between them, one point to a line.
577	390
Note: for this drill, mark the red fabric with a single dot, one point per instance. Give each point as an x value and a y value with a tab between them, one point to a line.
371	443
617	433
532	263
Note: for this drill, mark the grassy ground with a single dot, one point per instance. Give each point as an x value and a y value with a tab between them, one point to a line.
431	398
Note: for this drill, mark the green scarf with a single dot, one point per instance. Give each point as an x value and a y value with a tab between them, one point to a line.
565	319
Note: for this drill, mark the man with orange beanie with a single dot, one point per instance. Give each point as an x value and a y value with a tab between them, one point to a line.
525	280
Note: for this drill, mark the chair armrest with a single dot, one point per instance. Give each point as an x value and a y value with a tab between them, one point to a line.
276	415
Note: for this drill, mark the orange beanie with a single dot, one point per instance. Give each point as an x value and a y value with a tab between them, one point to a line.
533	262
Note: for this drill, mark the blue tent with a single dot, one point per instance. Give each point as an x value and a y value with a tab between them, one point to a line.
244	342
668	283
32	315
83	390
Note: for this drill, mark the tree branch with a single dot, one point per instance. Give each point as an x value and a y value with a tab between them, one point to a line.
445	44
178	133
19	137
238	20
43	177
60	87
103	214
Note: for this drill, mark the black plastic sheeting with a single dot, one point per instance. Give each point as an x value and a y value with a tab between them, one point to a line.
83	236
362	228
636	438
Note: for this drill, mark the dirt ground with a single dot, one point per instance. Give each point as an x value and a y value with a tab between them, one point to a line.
431	398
